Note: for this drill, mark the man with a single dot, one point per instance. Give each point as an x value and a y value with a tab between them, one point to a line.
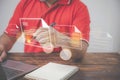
62	12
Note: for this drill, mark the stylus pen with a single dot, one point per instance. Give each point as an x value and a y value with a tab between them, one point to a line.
53	24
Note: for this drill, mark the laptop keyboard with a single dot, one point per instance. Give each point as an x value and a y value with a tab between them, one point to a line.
11	72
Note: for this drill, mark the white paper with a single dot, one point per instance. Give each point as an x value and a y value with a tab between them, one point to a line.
53	71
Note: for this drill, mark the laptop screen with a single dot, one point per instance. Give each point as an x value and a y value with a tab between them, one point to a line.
13	70
2	74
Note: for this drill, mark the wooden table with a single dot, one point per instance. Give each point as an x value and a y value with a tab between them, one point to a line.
94	66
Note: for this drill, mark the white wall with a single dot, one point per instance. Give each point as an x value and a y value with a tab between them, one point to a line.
105	24
6	11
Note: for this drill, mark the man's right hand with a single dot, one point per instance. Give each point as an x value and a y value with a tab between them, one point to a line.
51	35
3	54
6	43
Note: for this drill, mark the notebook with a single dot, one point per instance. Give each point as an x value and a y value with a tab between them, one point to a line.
52	71
11	70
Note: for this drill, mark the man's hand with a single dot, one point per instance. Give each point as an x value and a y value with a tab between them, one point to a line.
57	39
3	54
78	54
74	53
6	43
44	36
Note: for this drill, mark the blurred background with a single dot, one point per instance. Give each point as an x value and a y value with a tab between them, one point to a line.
105	24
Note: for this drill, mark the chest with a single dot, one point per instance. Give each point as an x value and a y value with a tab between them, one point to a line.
61	15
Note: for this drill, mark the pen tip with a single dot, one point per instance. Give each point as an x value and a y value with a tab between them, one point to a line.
53	24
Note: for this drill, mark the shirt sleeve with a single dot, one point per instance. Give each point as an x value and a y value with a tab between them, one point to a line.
82	21
13	27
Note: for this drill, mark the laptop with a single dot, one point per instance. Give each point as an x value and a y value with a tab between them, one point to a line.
13	70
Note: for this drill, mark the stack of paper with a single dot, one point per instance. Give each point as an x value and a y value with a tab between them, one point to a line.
53	71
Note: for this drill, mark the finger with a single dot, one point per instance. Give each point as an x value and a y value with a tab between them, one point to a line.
38	31
45	40
42	35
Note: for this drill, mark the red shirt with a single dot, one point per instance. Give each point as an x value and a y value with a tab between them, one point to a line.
63	12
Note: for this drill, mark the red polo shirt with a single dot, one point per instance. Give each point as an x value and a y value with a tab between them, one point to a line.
63	12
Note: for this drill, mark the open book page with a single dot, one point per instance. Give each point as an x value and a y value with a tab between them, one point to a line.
53	71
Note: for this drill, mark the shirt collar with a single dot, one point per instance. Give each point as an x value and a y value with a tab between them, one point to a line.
64	2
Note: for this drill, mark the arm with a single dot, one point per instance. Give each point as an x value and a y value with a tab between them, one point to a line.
74	51
78	54
6	43
7	39
82	22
